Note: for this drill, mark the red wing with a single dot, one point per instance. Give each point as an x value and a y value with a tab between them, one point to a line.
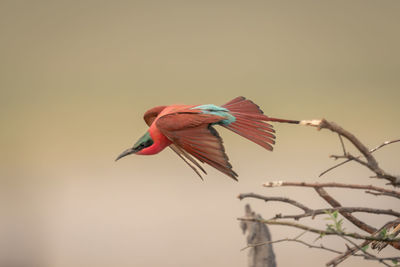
185	119
192	133
149	117
152	114
235	100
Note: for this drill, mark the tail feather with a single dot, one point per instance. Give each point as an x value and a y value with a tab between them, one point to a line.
283	120
255	124
258	141
251	123
235	100
243	105
257	133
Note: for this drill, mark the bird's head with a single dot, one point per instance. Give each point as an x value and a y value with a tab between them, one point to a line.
144	142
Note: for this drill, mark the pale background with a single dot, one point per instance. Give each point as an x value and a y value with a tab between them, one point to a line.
77	76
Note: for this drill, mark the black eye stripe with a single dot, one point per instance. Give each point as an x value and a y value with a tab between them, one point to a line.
148	143
143	142
144	145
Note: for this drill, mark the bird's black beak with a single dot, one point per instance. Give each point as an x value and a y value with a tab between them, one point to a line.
126	153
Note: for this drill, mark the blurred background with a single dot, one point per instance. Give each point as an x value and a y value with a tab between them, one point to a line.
77	76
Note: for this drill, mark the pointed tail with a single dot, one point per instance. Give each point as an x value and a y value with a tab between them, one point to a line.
251	122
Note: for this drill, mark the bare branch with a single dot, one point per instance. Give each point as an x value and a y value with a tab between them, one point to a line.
311	212
378	245
392	229
350	157
378	239
295	240
334	167
352	251
334	203
372	164
379	194
354	140
342	143
348	160
384	144
315	212
319	231
387	192
381	259
281	199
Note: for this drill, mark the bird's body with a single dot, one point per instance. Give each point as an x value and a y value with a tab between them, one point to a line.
189	131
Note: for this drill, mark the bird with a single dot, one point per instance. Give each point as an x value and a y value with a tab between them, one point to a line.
189	130
390	229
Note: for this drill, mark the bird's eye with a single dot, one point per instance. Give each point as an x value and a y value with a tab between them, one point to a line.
148	143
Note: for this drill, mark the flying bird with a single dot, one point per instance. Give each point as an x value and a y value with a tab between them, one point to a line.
189	131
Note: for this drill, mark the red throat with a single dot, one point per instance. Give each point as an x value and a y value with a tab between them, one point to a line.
160	142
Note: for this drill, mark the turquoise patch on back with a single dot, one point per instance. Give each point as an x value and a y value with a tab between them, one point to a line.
218	111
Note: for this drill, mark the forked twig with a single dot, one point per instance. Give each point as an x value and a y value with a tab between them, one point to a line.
348	160
320	231
384	191
377	238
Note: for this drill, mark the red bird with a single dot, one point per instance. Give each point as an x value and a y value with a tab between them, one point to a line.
189	131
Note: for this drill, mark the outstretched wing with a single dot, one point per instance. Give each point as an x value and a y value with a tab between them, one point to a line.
149	117
152	114
192	132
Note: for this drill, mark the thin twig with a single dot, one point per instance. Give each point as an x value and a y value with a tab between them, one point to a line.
378	236
372	164
351	251
334	167
276	241
316	212
319	231
281	199
348	160
342	143
360	224
387	192
380	259
295	240
384	144
334	203
378	194
319	187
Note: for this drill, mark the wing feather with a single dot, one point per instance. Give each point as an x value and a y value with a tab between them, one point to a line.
192	132
152	114
186	158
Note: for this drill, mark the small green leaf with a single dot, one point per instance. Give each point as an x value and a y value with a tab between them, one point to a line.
364	248
395	261
335	214
383	233
329	227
